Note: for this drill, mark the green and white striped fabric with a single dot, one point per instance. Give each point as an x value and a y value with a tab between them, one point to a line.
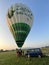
19	20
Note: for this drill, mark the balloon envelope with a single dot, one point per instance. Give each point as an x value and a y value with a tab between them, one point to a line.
19	20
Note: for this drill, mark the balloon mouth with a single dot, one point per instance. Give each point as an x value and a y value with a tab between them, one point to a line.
20	43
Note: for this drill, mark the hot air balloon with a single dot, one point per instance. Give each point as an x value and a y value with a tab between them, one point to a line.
19	20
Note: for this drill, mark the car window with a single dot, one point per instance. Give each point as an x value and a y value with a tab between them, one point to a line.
37	50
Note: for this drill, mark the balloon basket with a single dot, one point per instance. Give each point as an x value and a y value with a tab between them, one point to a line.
18	52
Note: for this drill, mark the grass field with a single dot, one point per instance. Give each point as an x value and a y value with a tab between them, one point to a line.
10	58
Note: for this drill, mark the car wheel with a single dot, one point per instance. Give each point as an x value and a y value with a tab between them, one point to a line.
39	56
28	56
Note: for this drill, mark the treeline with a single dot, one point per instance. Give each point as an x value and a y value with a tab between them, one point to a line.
2	50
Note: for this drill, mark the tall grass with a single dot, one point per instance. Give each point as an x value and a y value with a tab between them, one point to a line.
10	58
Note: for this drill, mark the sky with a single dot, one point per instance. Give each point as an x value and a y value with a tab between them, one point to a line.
39	34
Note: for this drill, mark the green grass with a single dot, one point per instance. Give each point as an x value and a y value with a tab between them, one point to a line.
10	58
